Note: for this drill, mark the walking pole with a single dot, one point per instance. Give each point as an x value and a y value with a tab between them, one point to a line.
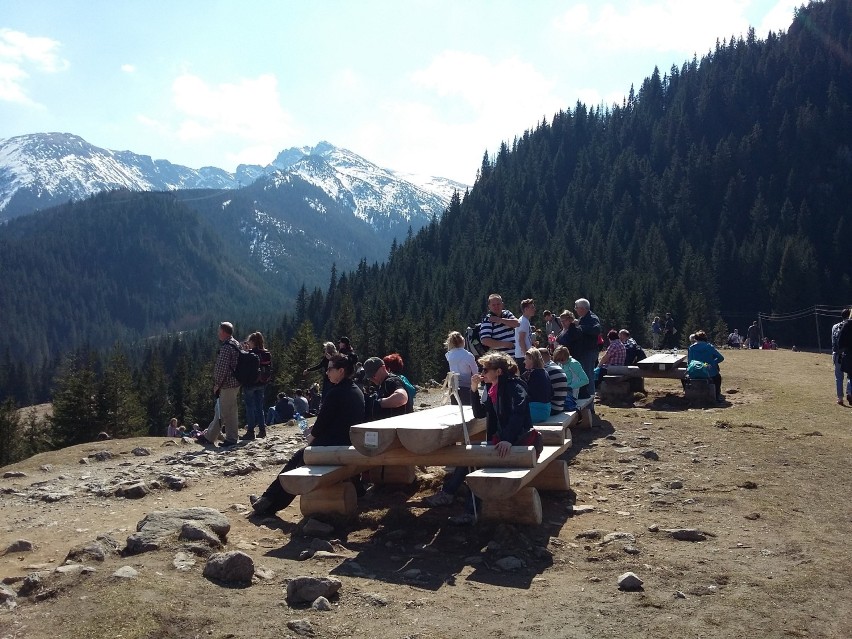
453	386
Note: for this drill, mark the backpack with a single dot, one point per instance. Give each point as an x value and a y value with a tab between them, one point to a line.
697	369
264	372
473	342
411	390
247	368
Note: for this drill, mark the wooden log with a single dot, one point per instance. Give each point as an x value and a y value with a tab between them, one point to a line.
393	475
371	439
340	499
584	407
426	435
524	507
308	478
502	483
473	455
428	430
553	477
551	435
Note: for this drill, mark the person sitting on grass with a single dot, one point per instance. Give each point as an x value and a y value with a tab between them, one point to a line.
508	423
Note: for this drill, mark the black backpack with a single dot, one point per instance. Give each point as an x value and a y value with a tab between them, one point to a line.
474	344
247	368
264	371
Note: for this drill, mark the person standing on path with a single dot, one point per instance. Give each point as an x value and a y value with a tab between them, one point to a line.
226	388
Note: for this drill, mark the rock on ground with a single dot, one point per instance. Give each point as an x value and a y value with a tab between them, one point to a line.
230	567
160	526
307	589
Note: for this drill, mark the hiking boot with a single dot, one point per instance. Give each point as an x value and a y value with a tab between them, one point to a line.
228	444
248	436
261	505
201	439
439	499
467	519
261	433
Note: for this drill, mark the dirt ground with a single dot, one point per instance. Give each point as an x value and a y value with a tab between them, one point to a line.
764	477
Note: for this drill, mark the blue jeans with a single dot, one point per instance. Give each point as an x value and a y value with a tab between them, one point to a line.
271	416
254	396
838	378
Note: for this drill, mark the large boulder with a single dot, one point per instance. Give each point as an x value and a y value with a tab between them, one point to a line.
160	527
230	567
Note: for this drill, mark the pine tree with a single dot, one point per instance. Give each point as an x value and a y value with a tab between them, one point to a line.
10	437
119	407
75	416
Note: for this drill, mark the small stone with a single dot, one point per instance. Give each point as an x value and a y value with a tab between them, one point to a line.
412	574
73	569
651	454
264	573
7	594
686	534
126	572
653	528
301	627
375	599
676	484
183	562
21	545
305	555
510	563
230	567
101	455
193	531
582	509
306	589
52	498
141	451
32	583
321	603
752	516
12	474
629	581
589	534
321	544
84	461
679	595
314	528
631	550
46	468
133	490
748	485
618	536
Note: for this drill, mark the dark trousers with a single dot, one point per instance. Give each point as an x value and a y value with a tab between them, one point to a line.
275	493
464	396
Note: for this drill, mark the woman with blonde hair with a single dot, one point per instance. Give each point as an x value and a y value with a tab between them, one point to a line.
461	361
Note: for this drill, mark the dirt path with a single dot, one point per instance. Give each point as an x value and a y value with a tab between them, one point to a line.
764	478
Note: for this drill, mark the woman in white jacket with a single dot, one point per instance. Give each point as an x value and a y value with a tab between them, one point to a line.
461	361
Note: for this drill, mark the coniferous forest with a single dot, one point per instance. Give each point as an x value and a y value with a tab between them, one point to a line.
718	189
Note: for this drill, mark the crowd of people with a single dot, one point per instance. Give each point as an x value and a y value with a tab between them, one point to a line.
520	381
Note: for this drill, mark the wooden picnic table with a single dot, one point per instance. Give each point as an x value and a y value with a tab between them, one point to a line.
420	432
662	362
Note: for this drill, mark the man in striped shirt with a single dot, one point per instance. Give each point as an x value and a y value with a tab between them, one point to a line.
497	330
558	382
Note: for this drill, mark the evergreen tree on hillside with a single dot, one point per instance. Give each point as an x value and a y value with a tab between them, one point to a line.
76	418
119	407
10	436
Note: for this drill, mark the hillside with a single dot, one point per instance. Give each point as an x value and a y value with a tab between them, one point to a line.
763	478
719	189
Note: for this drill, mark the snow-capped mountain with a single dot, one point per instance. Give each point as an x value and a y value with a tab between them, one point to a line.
43	169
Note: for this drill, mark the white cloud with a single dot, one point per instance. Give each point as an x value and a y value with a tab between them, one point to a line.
19	55
128	68
690	26
779	17
249	108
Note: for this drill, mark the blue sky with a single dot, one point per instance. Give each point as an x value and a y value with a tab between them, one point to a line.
414	85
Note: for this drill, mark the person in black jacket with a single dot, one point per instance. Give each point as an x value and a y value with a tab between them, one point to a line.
508	423
343	407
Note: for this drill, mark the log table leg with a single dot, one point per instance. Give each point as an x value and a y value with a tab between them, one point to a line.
393	475
524	507
339	498
553	477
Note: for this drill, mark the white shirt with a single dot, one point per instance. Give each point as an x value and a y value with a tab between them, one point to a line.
461	361
521	348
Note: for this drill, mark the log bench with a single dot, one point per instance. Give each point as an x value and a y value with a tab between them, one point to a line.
511	494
